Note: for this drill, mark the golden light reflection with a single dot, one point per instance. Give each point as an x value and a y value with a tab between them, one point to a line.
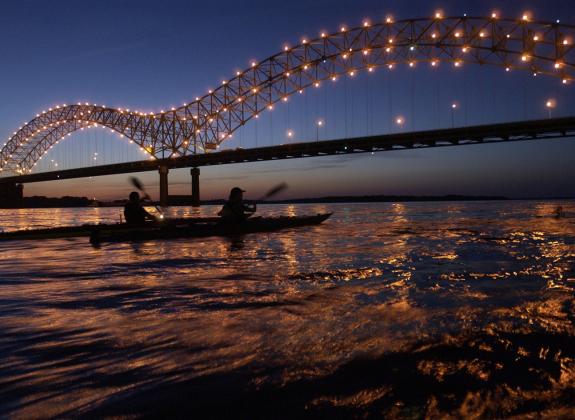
378	294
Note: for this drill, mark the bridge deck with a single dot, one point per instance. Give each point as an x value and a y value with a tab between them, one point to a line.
505	132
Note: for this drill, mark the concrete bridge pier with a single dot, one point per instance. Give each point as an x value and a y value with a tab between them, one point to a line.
195	173
11	195
163	170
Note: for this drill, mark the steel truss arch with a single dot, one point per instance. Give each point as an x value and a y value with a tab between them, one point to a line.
202	125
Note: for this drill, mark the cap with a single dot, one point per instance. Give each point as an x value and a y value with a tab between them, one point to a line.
236	190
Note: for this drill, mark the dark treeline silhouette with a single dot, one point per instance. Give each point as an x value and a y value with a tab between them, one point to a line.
66	201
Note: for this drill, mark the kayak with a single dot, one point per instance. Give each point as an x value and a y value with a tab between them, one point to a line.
181	227
86	229
200	229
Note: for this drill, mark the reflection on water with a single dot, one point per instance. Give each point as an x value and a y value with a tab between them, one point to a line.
433	309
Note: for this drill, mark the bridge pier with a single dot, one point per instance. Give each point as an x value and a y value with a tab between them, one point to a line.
163	170
11	195
195	173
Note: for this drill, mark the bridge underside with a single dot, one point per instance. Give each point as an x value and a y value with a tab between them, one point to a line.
483	134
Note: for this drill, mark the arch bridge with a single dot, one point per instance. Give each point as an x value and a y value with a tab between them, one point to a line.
200	126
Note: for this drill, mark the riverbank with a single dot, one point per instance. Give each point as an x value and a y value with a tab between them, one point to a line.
184	200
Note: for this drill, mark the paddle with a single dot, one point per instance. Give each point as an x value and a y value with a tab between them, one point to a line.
138	184
275	190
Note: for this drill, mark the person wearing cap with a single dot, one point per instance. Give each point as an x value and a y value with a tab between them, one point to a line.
235	210
134	212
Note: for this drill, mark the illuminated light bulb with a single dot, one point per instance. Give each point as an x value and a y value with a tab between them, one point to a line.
253	64
508	36
390	66
256	115
239	99
411	48
565	42
370	69
300	91
352	73
304	41
344	56
507	69
238	73
286	48
482	34
535	38
365	52
525	17
564	81
399	120
270	107
389	19
305	67
333	78
390	40
465	49
434	35
343	29
388	49
316	84
411	64
287	74
285	98
209	92
223	83
494	15
290	133
457	64
438	15
558	65
524	57
323	34
454	106
457	34
365	24
254	90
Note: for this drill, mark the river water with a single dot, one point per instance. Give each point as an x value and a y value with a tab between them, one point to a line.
401	310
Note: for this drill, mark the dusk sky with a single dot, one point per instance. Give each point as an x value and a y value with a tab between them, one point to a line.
154	55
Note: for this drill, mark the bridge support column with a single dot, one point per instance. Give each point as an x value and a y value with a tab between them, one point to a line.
163	170
195	173
11	195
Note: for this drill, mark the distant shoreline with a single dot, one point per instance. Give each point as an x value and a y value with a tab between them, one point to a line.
50	202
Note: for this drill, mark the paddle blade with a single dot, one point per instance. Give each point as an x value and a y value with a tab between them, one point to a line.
275	190
137	183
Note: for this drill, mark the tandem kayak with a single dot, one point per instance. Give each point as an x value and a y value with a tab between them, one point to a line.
204	229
